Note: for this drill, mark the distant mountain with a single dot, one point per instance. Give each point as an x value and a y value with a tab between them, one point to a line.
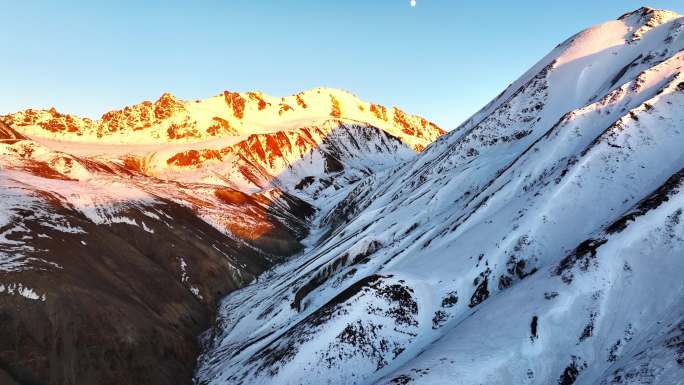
228	115
540	242
118	237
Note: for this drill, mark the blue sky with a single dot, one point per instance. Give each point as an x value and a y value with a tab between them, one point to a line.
443	59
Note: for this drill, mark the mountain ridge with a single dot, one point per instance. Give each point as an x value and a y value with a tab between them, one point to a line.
488	258
118	253
169	119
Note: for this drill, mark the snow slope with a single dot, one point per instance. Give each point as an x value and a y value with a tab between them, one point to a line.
540	242
247	141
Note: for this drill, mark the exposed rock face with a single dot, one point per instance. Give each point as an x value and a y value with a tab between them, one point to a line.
319	153
7	133
112	302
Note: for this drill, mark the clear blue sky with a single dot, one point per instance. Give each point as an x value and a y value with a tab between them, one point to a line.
443	59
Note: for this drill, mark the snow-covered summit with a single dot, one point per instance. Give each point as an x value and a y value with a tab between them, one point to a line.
230	114
650	15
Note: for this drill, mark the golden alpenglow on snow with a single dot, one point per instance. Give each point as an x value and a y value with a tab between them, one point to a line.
492	208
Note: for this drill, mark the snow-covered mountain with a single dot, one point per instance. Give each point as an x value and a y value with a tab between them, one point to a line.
116	242
228	115
541	242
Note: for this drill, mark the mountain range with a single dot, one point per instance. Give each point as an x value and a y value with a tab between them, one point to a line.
320	239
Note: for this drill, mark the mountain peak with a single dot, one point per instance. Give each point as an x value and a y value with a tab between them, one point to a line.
650	16
165	97
645	19
230	114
